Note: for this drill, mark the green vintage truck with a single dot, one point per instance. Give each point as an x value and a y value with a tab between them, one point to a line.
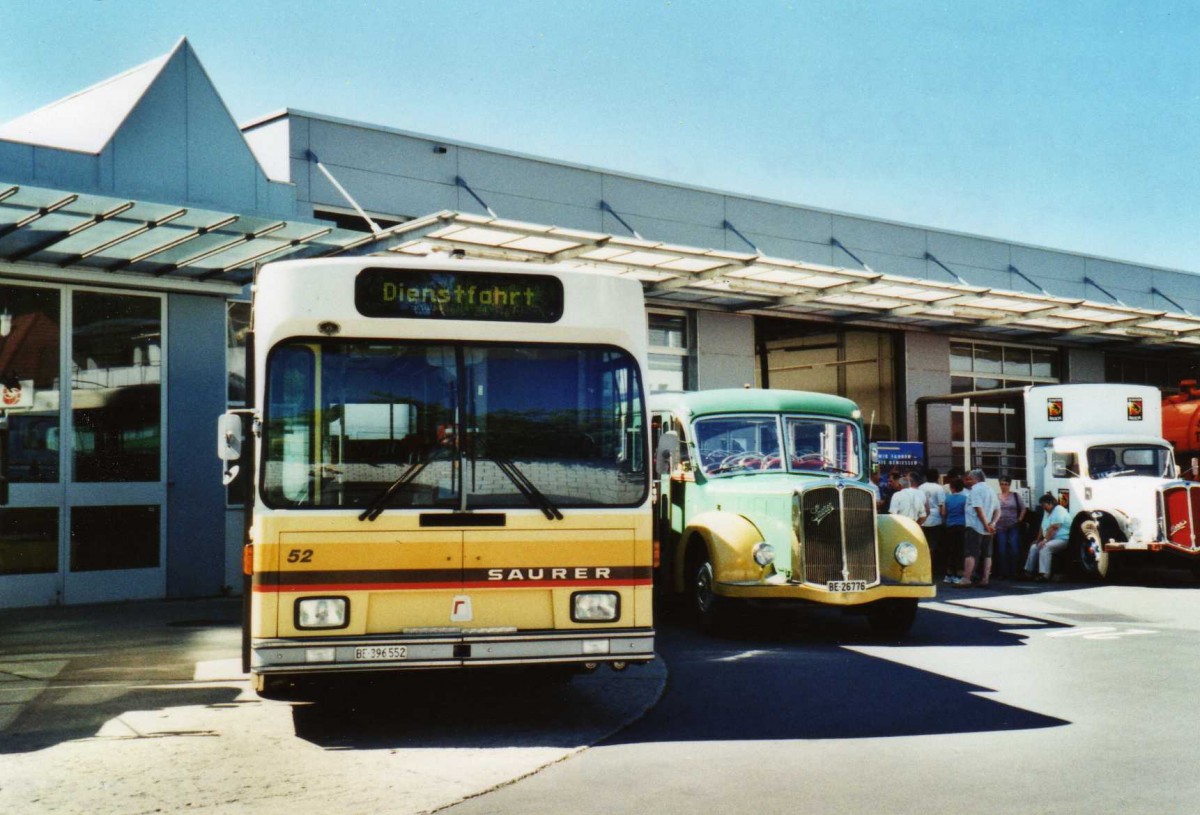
762	497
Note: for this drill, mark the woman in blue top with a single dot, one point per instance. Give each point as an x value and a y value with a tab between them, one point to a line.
1056	532
956	523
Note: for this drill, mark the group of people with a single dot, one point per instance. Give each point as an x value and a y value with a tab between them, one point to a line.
974	532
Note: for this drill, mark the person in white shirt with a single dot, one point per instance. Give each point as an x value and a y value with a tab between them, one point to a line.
983	510
935	521
908	501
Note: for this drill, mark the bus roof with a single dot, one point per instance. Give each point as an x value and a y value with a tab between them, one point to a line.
754	400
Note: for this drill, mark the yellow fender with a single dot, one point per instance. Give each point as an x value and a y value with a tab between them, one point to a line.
891	530
730	539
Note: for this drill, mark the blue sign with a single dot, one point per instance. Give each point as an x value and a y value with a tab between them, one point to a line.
903	454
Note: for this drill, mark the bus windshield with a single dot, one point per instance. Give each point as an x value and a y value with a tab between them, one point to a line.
452	425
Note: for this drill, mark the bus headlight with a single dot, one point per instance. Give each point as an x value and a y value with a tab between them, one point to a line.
595	606
322	612
906	553
764	554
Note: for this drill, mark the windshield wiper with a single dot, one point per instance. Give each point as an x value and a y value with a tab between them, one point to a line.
526	487
379	503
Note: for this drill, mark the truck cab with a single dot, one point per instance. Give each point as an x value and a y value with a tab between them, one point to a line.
1097	449
763	498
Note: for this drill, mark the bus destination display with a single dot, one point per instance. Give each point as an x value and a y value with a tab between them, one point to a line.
453	295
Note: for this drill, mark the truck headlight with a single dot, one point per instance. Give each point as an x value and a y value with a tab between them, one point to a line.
906	553
595	606
322	612
764	554
1134	525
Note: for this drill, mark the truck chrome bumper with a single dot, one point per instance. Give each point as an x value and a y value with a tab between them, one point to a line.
1149	546
807	592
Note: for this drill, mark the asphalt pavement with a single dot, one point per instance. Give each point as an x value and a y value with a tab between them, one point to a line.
142	707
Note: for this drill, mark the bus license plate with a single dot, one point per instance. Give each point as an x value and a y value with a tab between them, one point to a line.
373	653
846	585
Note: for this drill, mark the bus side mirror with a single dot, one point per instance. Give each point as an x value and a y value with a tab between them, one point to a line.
666	459
229	444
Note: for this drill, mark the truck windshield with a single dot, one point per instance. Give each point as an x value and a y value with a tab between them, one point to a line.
1107	461
448	425
749	444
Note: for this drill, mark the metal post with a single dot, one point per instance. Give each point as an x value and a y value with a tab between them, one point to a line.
966	435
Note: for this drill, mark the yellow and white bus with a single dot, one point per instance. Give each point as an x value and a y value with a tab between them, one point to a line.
450	468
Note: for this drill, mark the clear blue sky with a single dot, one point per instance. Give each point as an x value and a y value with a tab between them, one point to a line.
1074	125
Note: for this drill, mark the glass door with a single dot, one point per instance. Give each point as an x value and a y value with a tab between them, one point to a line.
114	547
31	523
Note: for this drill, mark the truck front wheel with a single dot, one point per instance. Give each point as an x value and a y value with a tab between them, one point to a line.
709	608
892	617
1089	545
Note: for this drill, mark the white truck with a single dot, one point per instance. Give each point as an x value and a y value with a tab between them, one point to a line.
1099	450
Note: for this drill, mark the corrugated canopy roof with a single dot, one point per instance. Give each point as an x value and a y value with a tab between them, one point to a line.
69	230
747	282
101	233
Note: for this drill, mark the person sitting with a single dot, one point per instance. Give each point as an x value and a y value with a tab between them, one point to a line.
1054	535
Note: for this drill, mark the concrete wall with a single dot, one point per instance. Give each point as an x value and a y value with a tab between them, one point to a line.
1084	365
195	398
724	350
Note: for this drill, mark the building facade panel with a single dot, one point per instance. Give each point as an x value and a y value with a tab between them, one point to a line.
1041	264
150	150
1127	282
1085	365
377	192
879	237
648	199
975	253
221	169
542	181
790	223
271	144
195	398
16	160
63	169
725	350
340	145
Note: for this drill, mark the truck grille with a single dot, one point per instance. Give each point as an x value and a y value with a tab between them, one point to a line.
1181	506
837	534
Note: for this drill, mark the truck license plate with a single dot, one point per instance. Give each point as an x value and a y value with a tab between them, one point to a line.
373	653
846	585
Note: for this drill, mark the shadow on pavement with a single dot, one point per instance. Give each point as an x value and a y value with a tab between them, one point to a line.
793	679
480	709
51	720
66	671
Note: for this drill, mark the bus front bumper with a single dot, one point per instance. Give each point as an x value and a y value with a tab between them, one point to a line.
404	652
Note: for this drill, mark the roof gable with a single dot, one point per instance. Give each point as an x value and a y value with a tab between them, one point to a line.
159	132
85	122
